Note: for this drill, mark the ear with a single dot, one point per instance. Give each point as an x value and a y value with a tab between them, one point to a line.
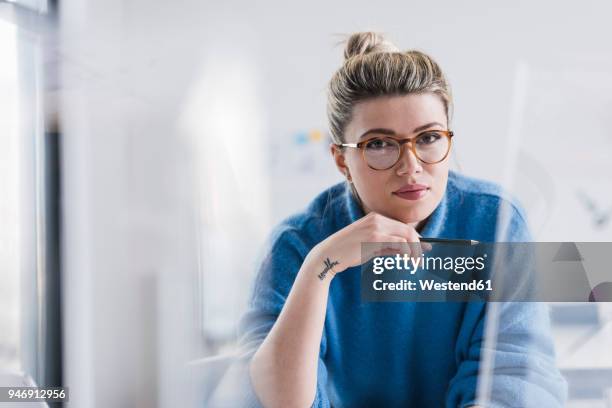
339	159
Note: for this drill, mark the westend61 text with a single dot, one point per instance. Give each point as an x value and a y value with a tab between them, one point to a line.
429	285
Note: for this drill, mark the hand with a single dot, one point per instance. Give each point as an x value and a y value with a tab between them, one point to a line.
342	250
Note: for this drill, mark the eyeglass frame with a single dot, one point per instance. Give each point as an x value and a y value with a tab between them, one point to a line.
402	142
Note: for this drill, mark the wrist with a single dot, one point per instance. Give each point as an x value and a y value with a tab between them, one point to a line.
323	264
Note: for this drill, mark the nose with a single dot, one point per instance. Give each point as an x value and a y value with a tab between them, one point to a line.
408	163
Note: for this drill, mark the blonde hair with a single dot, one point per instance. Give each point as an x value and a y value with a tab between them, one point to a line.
375	67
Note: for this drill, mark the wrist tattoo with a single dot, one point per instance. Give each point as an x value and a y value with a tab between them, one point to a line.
328	266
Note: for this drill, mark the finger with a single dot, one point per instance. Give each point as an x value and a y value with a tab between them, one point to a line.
395	227
385	245
416	249
412	249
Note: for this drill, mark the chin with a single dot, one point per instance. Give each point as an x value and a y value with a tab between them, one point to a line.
415	213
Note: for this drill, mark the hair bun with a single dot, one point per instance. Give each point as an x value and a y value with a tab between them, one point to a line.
365	43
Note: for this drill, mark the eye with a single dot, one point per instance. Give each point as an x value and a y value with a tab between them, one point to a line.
378	144
429	138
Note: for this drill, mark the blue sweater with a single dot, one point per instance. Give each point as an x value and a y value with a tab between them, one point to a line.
412	353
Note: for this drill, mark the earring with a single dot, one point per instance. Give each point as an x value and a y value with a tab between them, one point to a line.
348	176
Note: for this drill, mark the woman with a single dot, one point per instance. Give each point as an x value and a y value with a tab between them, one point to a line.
314	341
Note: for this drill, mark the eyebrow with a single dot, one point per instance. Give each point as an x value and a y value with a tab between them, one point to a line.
391	132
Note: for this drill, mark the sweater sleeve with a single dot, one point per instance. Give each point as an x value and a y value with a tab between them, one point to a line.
269	292
517	367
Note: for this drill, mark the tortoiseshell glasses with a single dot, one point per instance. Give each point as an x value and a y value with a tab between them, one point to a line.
381	152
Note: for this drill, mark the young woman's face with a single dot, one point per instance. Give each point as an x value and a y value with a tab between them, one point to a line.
410	190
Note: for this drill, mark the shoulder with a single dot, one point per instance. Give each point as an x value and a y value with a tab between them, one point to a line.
319	219
292	239
486	203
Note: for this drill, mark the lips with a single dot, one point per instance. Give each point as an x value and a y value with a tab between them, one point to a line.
412	191
410	188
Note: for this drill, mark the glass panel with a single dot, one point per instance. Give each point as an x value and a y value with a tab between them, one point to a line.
9	203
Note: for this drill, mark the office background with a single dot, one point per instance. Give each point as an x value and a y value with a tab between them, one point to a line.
183	132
